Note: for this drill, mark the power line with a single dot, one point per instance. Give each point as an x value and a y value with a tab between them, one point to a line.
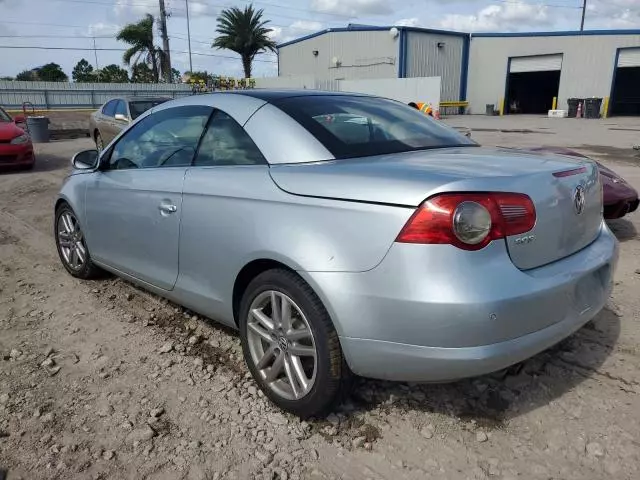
82	49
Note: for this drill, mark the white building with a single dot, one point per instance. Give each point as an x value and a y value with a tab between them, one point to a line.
521	71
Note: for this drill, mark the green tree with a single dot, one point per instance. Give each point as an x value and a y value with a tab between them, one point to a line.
141	73
244	32
51	72
82	72
6	78
176	77
143	50
26	76
112	74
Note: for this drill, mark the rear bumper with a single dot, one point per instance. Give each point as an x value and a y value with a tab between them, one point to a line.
451	314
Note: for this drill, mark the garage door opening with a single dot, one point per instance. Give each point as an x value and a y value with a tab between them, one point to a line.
625	97
532	84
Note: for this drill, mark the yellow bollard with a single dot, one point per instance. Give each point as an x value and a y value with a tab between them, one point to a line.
501	107
605	110
554	105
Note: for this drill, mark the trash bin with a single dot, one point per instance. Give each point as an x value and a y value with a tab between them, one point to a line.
38	129
592	107
490	109
573	106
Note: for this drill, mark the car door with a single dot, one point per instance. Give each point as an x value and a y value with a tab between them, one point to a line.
106	121
229	175
120	123
134	201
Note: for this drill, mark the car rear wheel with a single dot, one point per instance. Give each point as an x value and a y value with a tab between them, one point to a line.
99	142
72	248
290	344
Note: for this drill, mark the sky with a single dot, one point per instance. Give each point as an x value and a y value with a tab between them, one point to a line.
73	24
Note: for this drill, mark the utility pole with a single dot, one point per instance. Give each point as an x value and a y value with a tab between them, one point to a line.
165	43
95	53
584	10
186	3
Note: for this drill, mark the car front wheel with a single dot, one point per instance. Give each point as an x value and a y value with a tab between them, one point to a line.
290	344
71	245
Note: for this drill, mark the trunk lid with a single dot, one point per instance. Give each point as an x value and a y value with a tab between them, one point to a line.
407	179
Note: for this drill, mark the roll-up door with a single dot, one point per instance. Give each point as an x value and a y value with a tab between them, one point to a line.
536	63
629	57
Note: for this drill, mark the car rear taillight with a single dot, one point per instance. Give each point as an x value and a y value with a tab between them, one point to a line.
469	220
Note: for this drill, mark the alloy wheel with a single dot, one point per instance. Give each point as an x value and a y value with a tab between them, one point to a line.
99	143
281	345
71	241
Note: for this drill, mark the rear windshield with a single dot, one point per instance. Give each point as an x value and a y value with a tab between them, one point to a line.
138	107
353	126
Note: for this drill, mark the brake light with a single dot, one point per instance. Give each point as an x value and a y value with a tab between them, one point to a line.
469	220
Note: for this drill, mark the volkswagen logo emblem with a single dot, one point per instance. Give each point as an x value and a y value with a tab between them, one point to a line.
578	199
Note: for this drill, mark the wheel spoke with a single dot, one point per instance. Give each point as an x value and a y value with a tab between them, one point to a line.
300	373
268	355
275	309
275	370
285	313
66	222
255	328
298	334
291	375
263	319
80	251
74	261
302	351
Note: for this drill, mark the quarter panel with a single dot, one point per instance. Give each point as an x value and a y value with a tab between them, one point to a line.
235	214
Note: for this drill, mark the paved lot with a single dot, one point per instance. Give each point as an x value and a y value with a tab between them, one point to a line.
146	390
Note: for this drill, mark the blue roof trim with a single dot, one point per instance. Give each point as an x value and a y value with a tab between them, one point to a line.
569	33
367	28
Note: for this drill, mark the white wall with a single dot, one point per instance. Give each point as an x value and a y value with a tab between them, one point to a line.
416	89
587	64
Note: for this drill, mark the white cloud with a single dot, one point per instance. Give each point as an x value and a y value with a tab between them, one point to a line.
100	29
299	28
613	14
517	16
352	8
127	10
408	22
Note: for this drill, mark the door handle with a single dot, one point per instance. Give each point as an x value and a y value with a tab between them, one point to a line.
165	208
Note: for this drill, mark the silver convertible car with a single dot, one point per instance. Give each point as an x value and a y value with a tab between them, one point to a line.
340	234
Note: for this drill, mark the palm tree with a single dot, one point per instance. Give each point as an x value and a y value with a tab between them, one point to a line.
140	37
244	32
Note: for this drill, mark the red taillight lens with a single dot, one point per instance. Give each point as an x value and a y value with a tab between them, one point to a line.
469	220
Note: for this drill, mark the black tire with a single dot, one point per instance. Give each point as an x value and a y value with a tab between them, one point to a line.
88	270
333	377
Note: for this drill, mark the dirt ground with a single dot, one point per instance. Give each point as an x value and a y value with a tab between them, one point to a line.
100	380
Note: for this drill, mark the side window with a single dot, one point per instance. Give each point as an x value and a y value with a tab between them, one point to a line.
121	108
110	108
226	143
168	138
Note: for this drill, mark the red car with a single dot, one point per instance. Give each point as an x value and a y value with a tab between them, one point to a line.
619	197
16	149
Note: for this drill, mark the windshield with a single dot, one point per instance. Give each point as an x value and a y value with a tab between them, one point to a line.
138	107
354	126
4	116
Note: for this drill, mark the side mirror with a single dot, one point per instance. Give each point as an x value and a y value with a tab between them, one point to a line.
19	119
85	160
121	118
